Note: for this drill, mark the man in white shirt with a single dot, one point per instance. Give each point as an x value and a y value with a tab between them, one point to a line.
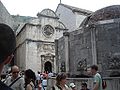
18	81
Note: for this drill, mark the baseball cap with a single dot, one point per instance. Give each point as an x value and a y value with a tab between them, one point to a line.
72	85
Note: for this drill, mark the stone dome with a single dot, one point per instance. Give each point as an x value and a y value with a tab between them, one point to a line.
110	12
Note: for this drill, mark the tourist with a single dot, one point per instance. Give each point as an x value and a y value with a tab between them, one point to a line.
38	81
72	86
44	83
84	86
50	74
97	78
61	82
30	80
45	74
15	81
7	47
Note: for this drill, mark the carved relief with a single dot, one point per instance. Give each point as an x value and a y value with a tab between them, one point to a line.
82	65
48	47
47	57
114	63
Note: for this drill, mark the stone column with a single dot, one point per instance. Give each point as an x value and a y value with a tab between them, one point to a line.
54	64
66	38
56	56
42	63
93	43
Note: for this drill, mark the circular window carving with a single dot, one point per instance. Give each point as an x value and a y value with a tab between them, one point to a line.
48	30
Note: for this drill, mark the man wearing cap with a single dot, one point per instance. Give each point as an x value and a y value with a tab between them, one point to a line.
7	47
72	86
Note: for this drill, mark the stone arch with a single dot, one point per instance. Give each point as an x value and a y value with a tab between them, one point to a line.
48	66
61	25
46	61
48	13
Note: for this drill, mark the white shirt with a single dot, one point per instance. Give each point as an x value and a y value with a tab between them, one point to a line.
38	77
44	84
18	85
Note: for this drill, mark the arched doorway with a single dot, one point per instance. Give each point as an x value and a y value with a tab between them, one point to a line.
48	66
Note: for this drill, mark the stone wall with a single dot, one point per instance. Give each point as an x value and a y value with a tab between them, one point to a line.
5	16
80	51
96	44
108	47
20	56
60	56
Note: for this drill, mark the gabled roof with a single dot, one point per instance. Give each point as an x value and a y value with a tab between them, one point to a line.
22	25
20	20
75	9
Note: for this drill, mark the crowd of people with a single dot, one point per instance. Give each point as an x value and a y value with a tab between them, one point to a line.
61	81
27	80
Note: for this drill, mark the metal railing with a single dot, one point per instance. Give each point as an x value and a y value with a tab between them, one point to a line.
113	83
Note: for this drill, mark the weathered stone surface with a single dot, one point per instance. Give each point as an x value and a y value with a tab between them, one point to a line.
108	49
36	39
110	12
97	43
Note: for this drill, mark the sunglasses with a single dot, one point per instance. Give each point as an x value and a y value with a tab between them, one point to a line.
15	72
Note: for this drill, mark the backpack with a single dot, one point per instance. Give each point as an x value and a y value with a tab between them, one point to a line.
104	84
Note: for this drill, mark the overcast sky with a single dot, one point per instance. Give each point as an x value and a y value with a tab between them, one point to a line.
32	7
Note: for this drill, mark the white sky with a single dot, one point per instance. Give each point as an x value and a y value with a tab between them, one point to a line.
32	7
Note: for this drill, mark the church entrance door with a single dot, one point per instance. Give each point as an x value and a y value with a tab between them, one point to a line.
48	66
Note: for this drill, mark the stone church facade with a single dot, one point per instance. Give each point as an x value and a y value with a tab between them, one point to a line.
35	42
